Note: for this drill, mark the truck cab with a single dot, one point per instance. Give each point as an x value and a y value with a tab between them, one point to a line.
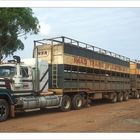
24	85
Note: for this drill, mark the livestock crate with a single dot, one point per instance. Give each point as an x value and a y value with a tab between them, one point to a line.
75	66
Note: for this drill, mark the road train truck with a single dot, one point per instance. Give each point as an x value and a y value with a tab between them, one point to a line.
63	73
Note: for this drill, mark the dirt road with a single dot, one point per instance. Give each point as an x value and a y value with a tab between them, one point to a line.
101	116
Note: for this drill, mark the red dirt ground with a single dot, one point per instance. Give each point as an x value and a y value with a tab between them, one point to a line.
101	116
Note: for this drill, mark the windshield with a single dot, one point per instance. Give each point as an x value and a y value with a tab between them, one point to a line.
7	71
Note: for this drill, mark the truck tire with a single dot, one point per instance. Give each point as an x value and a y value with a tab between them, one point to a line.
125	96
66	103
120	97
77	102
136	95
4	110
114	99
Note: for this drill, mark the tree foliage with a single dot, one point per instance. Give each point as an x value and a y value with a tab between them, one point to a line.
14	23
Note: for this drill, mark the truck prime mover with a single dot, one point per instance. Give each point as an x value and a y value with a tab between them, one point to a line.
65	73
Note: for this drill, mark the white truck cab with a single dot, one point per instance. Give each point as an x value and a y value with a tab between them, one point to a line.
24	85
22	75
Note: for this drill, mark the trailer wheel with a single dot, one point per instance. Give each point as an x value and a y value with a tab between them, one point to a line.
125	96
4	110
120	97
66	103
77	102
114	99
136	95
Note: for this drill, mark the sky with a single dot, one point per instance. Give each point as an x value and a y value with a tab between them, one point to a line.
113	29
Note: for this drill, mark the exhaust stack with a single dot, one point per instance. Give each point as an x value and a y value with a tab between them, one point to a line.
36	86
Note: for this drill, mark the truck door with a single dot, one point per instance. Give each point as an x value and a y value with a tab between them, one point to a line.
25	87
26	79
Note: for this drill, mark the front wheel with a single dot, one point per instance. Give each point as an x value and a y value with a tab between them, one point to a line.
66	103
4	110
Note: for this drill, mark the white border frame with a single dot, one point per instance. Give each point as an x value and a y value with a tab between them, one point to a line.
69	4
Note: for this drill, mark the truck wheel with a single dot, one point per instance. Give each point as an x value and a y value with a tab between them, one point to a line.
114	99
77	102
4	110
66	103
125	96
120	97
136	95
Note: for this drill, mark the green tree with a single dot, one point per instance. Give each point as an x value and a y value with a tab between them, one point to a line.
14	23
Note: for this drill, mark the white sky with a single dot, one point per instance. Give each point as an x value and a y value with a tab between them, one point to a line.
114	29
